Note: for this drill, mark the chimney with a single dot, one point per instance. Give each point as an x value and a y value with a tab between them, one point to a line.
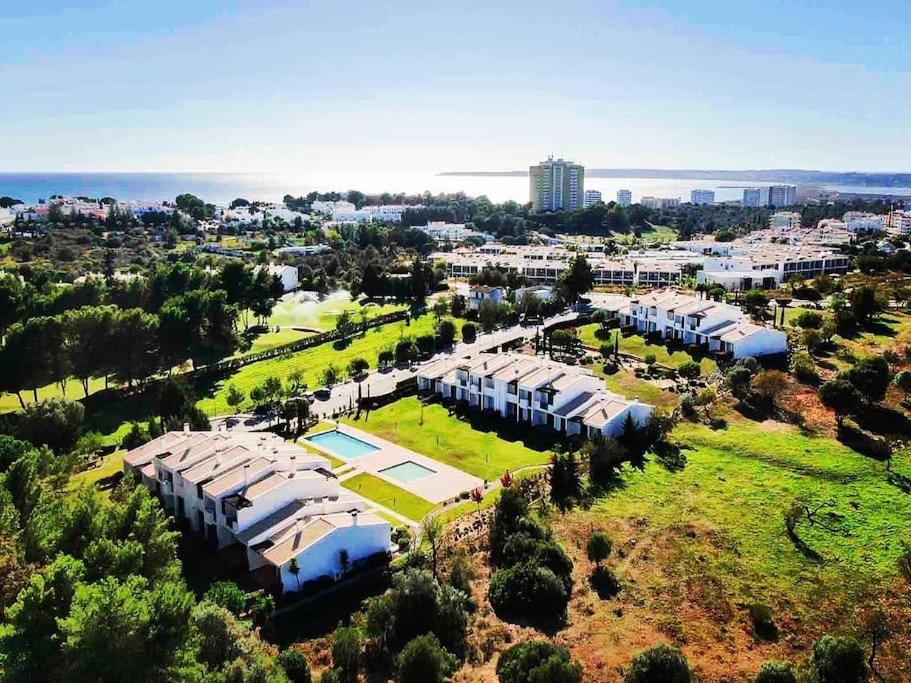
246	475
186	427
354	518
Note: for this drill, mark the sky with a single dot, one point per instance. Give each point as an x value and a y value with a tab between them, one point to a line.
277	87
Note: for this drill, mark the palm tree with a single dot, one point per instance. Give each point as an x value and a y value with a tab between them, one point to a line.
295	569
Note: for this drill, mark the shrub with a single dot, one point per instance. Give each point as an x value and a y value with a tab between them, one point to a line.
809	320
295	666
650	359
660	663
689	370
469	332
424	660
604	582
136	437
538	661
839	660
446	332
763	622
603	333
527	590
803	367
775	672
598	547
688	407
346	653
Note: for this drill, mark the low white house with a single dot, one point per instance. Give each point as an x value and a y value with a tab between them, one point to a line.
528	389
719	326
277	499
288	276
478	294
542	293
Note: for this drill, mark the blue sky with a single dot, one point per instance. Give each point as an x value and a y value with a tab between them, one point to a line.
274	86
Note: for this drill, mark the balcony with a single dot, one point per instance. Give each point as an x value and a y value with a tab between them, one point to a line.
209	516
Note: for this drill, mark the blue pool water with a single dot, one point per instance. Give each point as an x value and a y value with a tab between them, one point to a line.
342	444
407	472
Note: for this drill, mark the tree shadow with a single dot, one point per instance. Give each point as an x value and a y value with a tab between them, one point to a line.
670	457
803	548
900	481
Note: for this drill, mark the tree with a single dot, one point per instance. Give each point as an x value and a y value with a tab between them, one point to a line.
330	375
528	591
577	279
346	653
689	369
840	396
488	315
446	331
871	377
838	659
55	423
755	302
598	547
565	479
424	660
236	279
295	666
229	595
135	345
235	397
458	306
432	532
469	333
660	663
87	333
775	672
538	661
295	569
864	303
738	381
809	320
357	366
11	301
769	385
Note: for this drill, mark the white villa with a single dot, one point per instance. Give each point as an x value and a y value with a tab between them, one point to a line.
478	294
533	390
720	326
277	499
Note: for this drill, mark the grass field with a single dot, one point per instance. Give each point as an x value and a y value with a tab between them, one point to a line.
405	503
312	362
300	309
636	345
271	339
659	233
477	449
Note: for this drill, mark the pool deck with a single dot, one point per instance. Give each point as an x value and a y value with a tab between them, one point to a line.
447	482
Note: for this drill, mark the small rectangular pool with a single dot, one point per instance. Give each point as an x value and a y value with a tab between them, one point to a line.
342	444
407	472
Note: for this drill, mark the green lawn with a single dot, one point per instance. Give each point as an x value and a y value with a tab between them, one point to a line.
735	487
298	309
659	233
9	402
636	345
405	503
271	339
626	384
478	449
312	362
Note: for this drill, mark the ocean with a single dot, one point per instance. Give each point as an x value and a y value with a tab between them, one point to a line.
221	188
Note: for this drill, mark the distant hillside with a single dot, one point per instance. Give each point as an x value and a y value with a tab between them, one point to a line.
796	176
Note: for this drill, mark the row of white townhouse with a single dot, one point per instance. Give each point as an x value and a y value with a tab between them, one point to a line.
536	391
277	499
719	326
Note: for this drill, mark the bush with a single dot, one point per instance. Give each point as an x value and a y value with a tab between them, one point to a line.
763	622
803	367
603	333
775	672
661	663
604	582
650	359
598	547
136	437
446	332
423	660
538	661
469	333
528	590
689	370
839	660
295	666
688	407
346	654
809	320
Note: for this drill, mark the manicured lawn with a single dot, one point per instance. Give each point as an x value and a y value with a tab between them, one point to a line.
271	339
405	503
312	362
659	233
626	384
9	402
109	467
735	487
300	309
636	345
477	449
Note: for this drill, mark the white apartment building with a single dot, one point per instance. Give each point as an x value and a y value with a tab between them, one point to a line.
660	202
701	197
859	221
442	231
556	185
787	220
592	197
267	494
536	391
899	223
719	326
624	197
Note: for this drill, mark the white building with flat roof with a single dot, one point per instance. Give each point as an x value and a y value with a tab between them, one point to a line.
592	197
624	197
700	197
784	219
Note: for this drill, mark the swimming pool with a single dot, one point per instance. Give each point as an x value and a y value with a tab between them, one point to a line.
407	472
342	444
